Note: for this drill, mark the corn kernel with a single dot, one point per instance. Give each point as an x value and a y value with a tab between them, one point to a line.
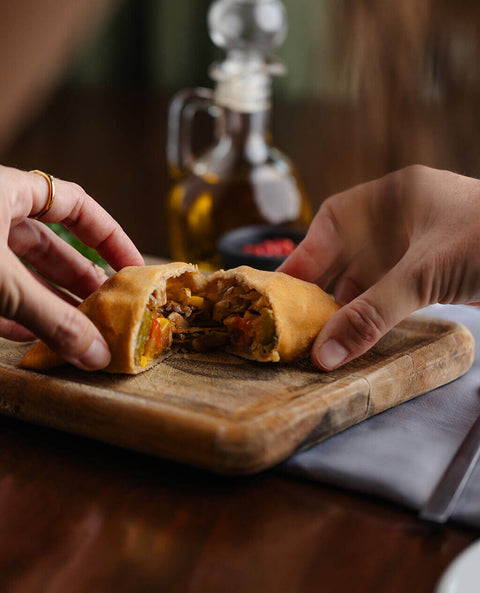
196	301
163	322
145	361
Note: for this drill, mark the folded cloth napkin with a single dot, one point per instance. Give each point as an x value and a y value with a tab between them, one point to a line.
402	453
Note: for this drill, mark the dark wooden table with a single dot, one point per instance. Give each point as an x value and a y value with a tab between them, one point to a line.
77	515
81	516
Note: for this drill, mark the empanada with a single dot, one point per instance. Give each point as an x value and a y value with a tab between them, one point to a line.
144	312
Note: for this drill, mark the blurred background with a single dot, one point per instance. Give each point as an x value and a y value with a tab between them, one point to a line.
372	85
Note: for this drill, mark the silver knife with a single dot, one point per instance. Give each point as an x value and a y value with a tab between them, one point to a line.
444	498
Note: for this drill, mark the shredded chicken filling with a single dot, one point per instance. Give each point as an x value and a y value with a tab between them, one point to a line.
240	318
248	318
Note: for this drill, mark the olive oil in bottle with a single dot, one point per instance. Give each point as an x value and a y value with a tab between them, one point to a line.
242	179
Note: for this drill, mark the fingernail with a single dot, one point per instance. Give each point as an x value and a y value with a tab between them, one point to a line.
100	273
96	357
331	354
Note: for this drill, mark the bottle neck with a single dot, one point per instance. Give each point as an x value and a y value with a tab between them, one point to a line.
245	133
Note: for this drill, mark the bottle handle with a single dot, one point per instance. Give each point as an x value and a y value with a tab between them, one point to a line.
181	114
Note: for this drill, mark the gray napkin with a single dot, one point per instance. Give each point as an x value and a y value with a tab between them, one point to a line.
402	453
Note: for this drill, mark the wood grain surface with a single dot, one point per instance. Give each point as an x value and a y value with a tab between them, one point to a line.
230	415
78	515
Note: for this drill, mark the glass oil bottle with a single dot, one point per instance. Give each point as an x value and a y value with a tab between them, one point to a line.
242	179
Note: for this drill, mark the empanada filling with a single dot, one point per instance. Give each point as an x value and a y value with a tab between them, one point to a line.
196	319
165	318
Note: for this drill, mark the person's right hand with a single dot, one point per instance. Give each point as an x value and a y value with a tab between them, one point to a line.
29	307
388	248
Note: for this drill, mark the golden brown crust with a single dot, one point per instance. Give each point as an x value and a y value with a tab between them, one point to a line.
117	309
41	358
300	309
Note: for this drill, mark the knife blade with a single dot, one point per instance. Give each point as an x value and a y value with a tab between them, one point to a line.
442	502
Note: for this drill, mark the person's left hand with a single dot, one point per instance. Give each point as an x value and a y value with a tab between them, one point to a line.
30	307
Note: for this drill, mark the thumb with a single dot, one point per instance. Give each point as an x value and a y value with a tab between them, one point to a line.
357	326
61	326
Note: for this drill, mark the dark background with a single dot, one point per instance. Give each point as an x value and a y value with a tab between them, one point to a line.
372	85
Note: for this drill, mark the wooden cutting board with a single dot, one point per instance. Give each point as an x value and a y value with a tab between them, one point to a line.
230	415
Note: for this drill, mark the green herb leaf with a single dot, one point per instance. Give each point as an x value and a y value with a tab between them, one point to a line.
70	238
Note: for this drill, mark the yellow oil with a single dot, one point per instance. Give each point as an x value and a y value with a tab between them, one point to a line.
201	207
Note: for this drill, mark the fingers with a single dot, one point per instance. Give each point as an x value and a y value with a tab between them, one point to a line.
13	331
321	255
357	326
93	225
64	294
367	217
65	329
346	289
26	194
366	268
345	225
58	261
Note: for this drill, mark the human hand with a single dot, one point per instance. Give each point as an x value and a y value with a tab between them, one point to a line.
29	306
388	248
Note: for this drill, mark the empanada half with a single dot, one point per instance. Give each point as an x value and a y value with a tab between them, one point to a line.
129	311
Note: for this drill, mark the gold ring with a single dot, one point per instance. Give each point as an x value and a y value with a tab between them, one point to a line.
51	193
